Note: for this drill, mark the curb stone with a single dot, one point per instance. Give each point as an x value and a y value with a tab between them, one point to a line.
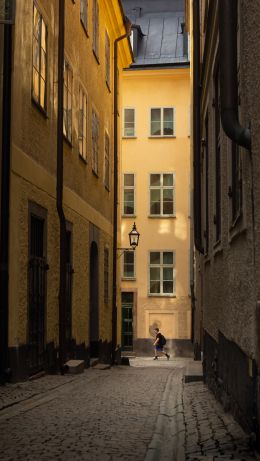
169	434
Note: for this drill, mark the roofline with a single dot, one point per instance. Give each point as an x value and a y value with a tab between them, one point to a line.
181	65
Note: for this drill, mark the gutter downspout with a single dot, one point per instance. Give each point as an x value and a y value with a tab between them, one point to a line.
114	303
196	126
228	74
5	201
59	189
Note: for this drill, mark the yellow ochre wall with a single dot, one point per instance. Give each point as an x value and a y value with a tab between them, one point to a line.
143	89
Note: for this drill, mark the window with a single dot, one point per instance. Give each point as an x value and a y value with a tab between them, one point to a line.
67	102
107	161
39	76
129	123
106	275
129	265
96	28
84	13
162	194
107	55
129	194
82	123
162	121
162	273
235	191
217	215
95	141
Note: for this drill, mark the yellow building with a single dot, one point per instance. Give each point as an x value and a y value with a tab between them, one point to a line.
155	179
40	328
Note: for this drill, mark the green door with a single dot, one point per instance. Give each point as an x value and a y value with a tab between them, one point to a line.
127	321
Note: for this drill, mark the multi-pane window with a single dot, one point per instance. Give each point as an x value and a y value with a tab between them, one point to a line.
39	76
106	275
106	161
67	102
84	13
82	123
129	265
162	121
129	194
95	141
129	123
95	17
162	273
217	215
107	57
162	194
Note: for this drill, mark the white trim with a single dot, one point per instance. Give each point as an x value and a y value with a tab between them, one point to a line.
161	187
161	266
123	190
161	120
123	125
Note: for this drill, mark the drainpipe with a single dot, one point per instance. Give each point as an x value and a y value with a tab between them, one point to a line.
228	74
59	190
5	201
196	126
114	304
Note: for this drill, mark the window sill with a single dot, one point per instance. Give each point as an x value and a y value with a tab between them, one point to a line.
217	248
84	28
95	173
128	279
157	295
129	137
67	141
107	188
108	87
128	215
96	57
84	160
162	137
165	216
40	108
237	229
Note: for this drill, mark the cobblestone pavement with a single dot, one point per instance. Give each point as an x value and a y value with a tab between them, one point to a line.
136	413
211	434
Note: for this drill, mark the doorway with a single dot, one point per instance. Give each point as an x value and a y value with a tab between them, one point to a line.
127	320
37	268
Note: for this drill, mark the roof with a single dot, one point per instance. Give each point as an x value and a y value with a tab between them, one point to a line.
162	41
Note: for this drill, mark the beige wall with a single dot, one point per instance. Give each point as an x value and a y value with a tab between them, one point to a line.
143	89
33	166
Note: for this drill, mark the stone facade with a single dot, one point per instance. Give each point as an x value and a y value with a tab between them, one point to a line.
87	201
227	282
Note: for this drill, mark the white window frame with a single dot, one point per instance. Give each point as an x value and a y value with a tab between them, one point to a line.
173	122
37	74
125	135
108	58
161	187
84	14
123	194
83	119
161	265
125	277
107	161
95	145
67	122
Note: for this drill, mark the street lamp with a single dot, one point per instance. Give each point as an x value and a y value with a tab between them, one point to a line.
134	237
133	240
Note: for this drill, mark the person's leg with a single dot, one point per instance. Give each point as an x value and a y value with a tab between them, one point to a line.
166	355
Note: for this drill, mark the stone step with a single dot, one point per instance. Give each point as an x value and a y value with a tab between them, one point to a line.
75	366
93	361
193	372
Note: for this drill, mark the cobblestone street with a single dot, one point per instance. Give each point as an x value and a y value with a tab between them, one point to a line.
140	412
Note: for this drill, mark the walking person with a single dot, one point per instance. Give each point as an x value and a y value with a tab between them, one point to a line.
159	343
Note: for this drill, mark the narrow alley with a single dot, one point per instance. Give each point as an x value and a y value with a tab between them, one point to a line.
140	412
